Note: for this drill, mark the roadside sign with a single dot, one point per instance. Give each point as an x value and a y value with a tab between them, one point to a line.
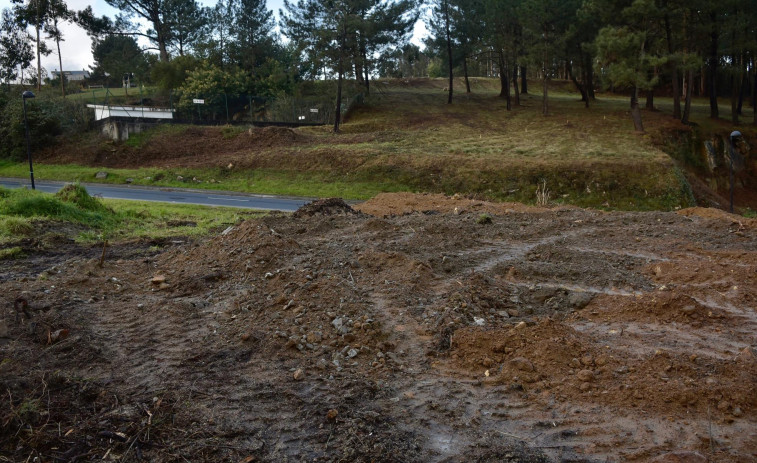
198	101
313	110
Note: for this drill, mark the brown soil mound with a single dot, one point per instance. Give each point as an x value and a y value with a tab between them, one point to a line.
388	204
535	336
274	136
712	213
329	206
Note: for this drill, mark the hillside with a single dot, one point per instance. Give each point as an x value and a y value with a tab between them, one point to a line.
406	138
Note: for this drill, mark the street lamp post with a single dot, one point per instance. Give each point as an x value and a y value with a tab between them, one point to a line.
28	94
735	134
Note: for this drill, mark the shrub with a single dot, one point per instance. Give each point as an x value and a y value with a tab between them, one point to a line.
44	125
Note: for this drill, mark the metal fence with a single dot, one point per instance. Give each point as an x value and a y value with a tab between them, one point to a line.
222	108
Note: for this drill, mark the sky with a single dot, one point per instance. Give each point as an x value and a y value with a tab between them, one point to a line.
77	46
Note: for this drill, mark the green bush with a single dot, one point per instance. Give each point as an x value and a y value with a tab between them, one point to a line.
76	194
44	125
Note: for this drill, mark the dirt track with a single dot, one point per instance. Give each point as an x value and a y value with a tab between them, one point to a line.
462	331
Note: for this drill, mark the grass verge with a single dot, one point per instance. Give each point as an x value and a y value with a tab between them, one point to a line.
27	213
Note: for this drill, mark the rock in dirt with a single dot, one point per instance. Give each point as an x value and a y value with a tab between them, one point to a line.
58	335
328	206
158	280
522	364
748	355
579	300
298	374
585	375
101	175
680	457
332	414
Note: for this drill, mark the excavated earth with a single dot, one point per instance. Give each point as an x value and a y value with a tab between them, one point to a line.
413	328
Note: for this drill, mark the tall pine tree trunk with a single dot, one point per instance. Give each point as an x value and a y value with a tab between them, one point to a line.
735	80
687	101
673	69
504	81
589	70
60	63
544	104
712	68
523	81
580	87
338	112
365	68
465	71
635	111
516	91
744	84
754	99
449	51
39	59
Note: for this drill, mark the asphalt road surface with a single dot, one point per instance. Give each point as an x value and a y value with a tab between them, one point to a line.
170	195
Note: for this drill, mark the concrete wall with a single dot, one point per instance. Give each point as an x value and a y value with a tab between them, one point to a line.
120	129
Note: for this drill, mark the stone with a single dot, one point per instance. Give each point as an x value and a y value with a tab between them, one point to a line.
513	312
58	335
680	457
579	300
737	412
587	360
689	309
340	326
522	364
585	387
102	175
314	337
129	180
158	279
585	375
332	414
747	355
179	178
541	295
478	321
352	353
298	374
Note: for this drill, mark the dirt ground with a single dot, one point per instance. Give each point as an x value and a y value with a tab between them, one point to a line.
418	328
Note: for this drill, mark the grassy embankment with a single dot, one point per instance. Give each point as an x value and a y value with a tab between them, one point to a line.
73	213
406	138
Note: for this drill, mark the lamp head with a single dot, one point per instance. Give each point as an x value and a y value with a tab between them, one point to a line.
27	94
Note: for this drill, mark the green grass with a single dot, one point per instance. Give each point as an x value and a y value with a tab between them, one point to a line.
22	212
14	252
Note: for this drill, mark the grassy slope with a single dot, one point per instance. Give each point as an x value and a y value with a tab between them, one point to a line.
406	138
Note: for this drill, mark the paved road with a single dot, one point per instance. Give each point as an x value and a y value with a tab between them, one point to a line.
170	195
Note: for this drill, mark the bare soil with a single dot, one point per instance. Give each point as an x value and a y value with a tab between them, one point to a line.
413	328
